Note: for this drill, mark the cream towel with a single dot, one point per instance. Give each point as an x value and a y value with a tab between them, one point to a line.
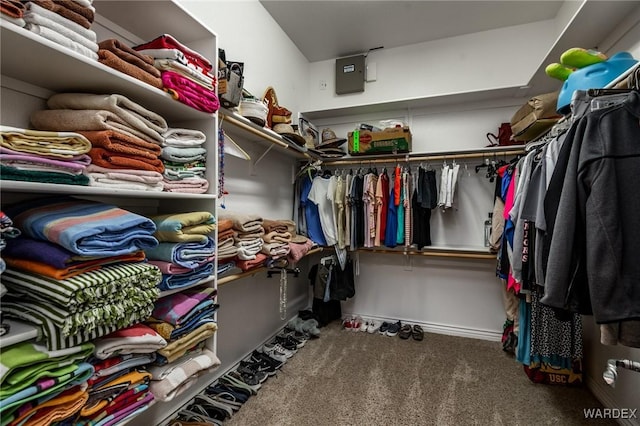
58	38
39	15
50	144
183	137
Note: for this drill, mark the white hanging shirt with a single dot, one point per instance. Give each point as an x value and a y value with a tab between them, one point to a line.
319	195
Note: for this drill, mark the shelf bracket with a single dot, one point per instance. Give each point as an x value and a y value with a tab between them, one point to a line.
255	163
294	271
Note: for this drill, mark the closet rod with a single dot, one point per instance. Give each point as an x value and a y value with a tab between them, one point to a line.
438	157
462	255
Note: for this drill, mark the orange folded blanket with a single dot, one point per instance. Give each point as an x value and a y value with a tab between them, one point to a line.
111	160
133	57
224	224
60	7
111	60
121	143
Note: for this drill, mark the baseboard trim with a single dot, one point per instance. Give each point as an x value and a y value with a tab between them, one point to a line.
449	330
603	393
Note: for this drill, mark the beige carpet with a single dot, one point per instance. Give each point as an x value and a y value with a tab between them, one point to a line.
352	378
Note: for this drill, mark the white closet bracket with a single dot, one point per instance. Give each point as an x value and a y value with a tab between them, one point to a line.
255	163
408	262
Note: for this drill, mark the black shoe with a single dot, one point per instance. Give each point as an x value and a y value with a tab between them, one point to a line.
384	327
253	374
258	368
264	358
405	332
286	343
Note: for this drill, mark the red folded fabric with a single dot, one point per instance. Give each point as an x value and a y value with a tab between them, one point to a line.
59	8
166	41
246	265
12	8
120	143
190	93
110	160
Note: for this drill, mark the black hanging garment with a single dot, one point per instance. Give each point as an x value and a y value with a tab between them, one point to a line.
330	285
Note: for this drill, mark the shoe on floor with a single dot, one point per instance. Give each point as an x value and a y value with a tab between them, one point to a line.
276	352
347	324
373	326
405	332
393	329
417	333
383	328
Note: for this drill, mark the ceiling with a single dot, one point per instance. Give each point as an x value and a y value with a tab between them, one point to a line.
328	29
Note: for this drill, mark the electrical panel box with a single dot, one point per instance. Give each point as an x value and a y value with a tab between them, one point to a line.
350	75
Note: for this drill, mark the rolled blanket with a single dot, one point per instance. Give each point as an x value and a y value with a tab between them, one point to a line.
60	7
178	348
172	379
184	227
111	60
136	339
11	173
124	178
40	16
183	137
166	41
65	145
56	37
249	264
84	227
277	237
131	56
188	255
194	185
122	143
136	116
81	119
190	93
113	160
37	163
12	8
183	155
187	72
244	222
297	251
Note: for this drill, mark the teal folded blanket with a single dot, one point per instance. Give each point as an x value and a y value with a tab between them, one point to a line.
11	173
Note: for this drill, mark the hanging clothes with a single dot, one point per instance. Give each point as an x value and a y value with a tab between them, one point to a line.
318	195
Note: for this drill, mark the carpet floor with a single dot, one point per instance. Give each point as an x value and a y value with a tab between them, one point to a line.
355	378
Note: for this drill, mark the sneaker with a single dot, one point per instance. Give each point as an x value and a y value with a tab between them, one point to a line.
266	360
417	333
253	368
405	332
247	377
286	343
356	323
394	329
274	352
373	326
298	335
291	338
364	326
383	327
347	324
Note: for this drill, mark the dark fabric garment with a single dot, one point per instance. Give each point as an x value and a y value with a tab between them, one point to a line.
421	223
359	209
326	312
342	284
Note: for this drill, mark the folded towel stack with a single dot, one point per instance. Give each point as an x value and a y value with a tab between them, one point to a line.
43	156
185	73
249	232
184	159
64	22
117	55
12	11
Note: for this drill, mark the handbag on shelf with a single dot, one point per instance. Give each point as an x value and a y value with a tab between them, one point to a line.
503	138
235	82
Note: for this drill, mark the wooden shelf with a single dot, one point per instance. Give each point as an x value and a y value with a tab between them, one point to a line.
55	188
243	129
19	332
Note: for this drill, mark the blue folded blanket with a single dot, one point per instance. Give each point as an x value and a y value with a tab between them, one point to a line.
84	227
173	281
189	255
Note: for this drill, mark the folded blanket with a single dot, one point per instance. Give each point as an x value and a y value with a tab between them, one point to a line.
224	225
111	60
40	16
58	257
184	227
122	143
225	243
11	173
193	185
165	53
176	308
178	348
225	268
56	37
12	8
183	137
72	270
249	244
246	222
227	252
173	175
188	255
103	368
166	41
60	7
247	254
60	407
168	268
113	390
136	339
248	264
135	115
297	251
187	279
127	411
131	56
250	236
79	119
84	227
279	226
190	93
277	237
36	163
57	145
139	180
183	155
187	72
276	250
113	160
229	233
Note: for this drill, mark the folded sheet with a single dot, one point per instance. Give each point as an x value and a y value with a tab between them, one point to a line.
194	185
183	137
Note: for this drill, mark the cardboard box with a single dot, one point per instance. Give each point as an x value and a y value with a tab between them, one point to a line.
387	141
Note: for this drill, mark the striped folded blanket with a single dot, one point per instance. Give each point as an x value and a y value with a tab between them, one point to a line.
184	227
61	145
84	227
177	308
